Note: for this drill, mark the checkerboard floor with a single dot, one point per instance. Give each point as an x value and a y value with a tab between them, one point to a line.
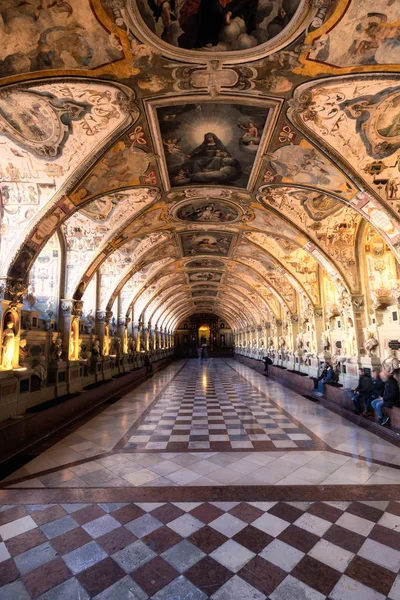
210	407
196	550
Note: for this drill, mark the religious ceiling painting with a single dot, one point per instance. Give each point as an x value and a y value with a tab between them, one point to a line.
208	242
123	165
303	164
37	36
208	211
367	34
58	132
211	143
204	276
361	125
217	25
328	221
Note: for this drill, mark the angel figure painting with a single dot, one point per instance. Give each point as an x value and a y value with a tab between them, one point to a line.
211	143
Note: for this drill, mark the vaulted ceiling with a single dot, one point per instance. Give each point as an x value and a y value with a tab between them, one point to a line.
196	161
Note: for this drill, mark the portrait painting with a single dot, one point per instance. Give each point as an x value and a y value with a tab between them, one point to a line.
204	276
218	24
207	211
214	243
211	143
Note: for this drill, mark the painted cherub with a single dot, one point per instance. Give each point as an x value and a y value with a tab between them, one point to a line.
251	130
172	146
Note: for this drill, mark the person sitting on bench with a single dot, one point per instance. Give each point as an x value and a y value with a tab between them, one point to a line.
389	398
362	393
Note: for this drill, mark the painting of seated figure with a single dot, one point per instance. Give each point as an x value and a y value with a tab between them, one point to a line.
211	143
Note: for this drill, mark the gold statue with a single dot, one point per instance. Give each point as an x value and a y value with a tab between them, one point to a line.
8	347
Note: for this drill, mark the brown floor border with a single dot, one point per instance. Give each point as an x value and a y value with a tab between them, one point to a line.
287	493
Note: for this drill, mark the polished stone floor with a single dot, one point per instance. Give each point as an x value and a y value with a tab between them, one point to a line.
324	448
206	481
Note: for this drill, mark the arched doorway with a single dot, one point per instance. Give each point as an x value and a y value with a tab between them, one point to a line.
204	334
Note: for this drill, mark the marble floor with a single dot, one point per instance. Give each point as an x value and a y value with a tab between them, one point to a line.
206	481
151	438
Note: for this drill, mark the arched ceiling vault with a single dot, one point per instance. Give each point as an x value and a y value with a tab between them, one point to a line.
192	169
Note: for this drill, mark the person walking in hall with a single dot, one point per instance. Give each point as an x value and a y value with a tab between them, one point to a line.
389	398
147	364
267	363
362	393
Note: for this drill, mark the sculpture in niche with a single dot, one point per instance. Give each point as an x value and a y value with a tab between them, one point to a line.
370	343
30	298
71	353
204	143
96	348
106	341
40	370
8	346
220	25
390	363
84	353
23	352
56	349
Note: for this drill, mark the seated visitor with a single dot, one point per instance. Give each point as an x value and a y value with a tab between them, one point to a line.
377	391
362	394
327	375
389	398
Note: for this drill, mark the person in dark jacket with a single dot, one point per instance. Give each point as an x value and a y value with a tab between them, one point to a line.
327	375
362	393
377	391
389	398
267	362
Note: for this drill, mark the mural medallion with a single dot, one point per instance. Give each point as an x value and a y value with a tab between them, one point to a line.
205	263
205	276
207	211
214	242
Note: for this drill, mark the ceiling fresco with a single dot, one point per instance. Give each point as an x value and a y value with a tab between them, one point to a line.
227	26
226	156
211	143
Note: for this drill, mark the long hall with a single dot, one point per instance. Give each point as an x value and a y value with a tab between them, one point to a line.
199	299
208	480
